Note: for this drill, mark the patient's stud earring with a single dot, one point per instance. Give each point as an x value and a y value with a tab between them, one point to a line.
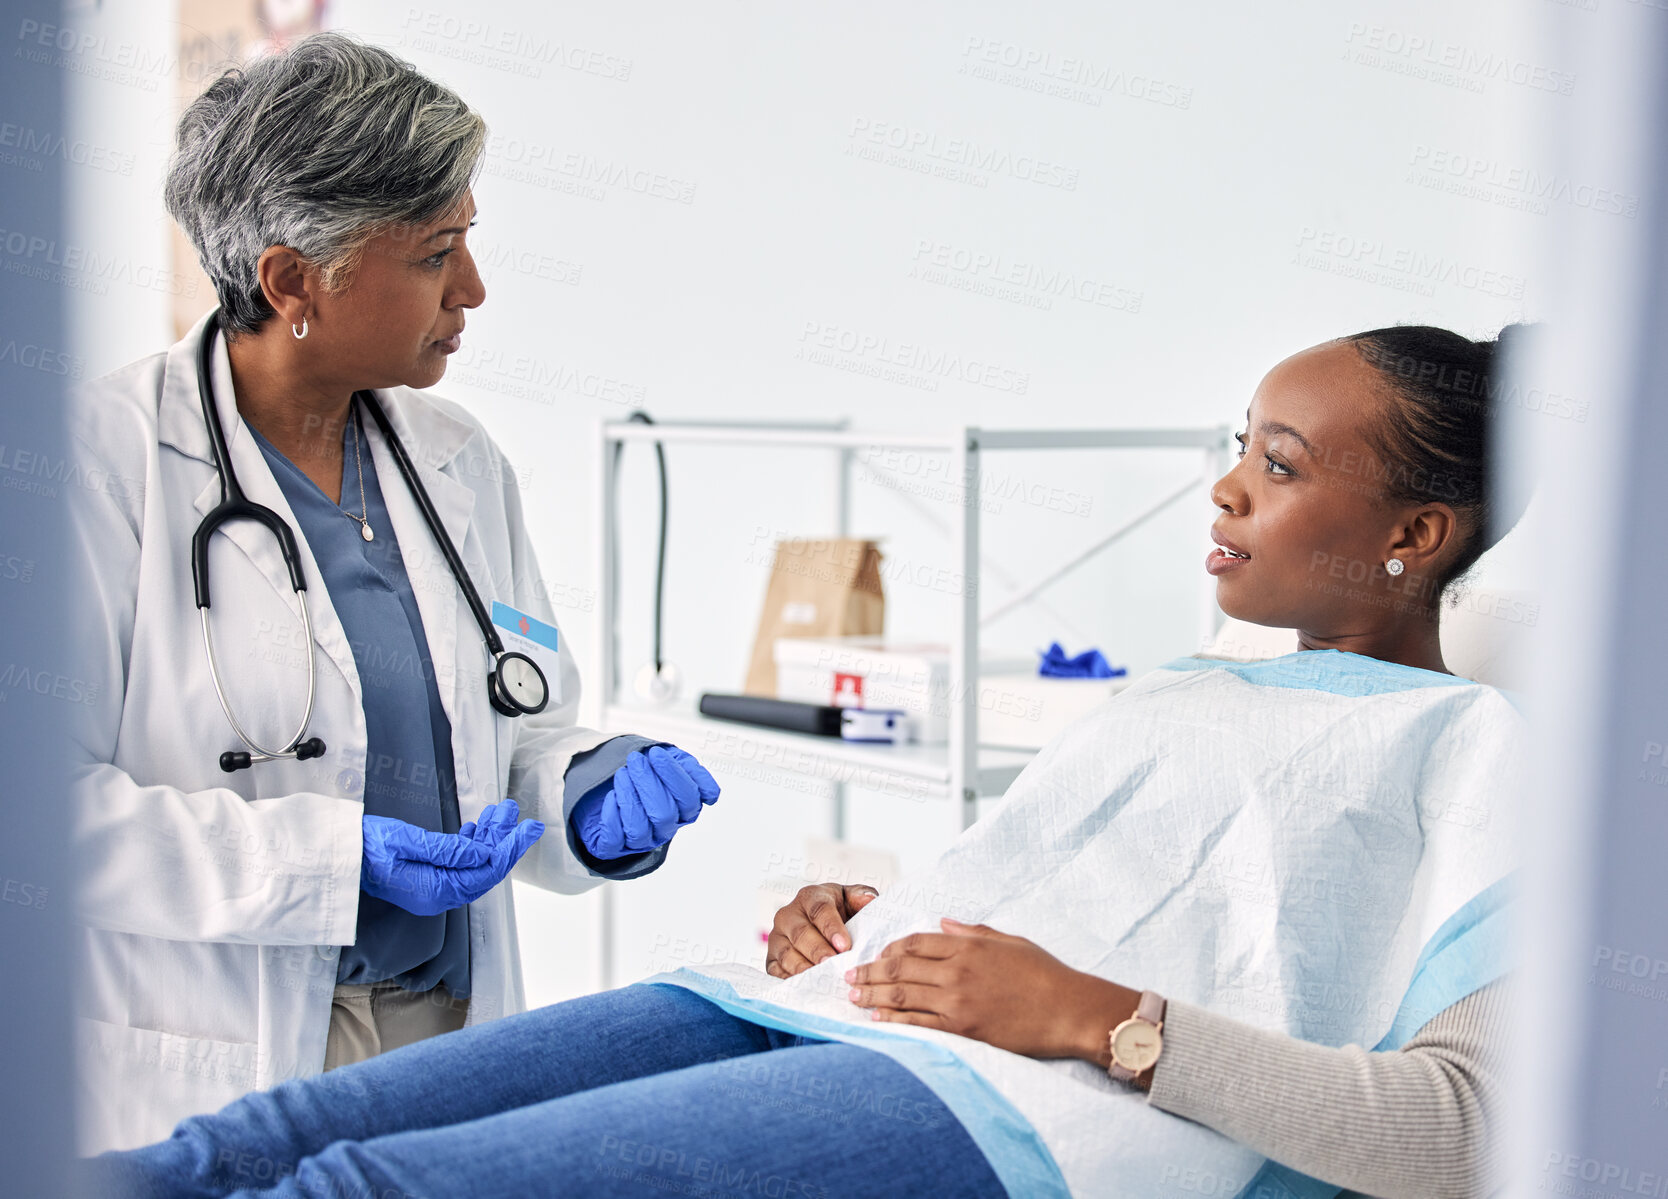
301	332
1394	566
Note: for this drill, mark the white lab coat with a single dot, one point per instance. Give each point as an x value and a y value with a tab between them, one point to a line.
215	904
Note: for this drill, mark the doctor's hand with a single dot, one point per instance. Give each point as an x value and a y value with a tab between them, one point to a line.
812	927
495	822
1004	990
656	792
428	873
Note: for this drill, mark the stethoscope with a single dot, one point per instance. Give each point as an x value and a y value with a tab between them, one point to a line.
515	684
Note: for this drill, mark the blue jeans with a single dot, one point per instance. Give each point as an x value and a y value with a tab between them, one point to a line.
648	1090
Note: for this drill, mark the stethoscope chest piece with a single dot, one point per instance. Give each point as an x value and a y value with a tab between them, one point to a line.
517	686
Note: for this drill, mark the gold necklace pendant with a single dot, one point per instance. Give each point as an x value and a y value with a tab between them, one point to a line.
365	530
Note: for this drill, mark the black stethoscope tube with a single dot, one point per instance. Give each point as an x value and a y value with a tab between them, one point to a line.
527	695
234	505
432	518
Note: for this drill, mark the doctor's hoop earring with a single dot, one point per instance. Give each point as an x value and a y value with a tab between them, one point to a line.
1394	567
302	332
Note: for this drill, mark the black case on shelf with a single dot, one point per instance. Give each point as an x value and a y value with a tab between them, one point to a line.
821	719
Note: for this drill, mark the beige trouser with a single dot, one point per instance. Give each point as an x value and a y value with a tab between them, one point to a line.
371	1018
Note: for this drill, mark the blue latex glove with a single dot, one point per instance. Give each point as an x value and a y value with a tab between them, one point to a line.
428	873
656	792
1090	664
494	823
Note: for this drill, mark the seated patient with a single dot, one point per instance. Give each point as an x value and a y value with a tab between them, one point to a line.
1287	878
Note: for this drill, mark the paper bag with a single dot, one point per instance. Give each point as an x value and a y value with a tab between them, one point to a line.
817	589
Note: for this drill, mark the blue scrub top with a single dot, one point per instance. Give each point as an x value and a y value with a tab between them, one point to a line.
409	772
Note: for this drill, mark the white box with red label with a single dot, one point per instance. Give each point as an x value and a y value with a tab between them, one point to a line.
869	672
872	672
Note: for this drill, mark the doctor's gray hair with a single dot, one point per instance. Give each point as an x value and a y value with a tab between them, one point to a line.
319	148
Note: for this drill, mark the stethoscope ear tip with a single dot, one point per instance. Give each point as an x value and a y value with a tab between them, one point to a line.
234	760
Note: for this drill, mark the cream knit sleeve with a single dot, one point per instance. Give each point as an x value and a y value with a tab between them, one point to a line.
1420	1121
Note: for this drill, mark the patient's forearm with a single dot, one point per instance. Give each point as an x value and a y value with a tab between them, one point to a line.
1419	1121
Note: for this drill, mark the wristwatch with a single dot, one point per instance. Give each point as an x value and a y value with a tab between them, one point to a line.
1137	1042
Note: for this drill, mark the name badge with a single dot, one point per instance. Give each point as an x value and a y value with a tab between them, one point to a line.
529	635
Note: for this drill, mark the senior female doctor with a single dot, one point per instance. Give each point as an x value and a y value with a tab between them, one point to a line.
291	805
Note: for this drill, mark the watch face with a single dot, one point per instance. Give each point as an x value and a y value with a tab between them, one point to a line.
522	681
1135	1045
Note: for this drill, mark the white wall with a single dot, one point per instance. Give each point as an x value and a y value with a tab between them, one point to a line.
1232	182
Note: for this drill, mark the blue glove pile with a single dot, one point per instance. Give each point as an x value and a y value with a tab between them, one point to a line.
1090	664
428	873
656	792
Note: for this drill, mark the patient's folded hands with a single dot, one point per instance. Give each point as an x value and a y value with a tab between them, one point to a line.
812	927
970	980
1004	990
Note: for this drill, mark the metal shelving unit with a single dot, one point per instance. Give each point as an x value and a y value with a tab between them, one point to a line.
962	769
